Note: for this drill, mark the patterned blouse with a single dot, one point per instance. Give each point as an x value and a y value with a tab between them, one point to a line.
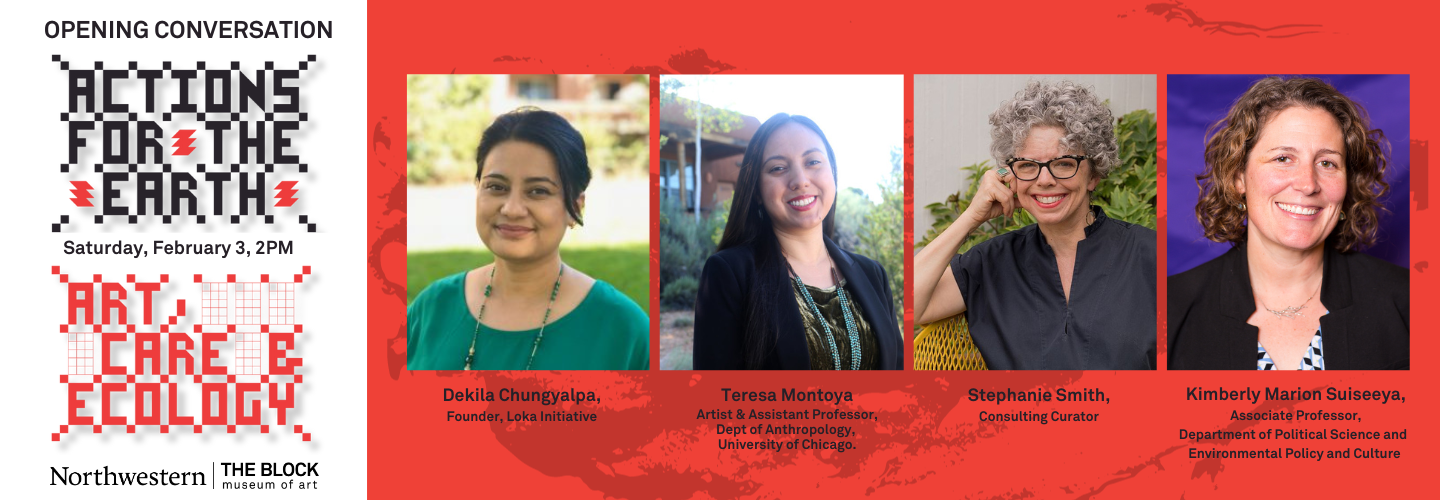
828	300
1314	355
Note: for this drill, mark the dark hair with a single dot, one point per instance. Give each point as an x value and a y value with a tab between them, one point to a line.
551	132
749	224
1229	141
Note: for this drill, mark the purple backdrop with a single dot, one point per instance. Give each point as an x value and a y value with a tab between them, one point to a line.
1197	101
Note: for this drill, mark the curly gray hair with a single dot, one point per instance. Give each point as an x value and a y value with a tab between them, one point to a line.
1089	125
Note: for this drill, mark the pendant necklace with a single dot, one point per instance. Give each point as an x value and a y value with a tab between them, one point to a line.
1291	312
850	328
535	347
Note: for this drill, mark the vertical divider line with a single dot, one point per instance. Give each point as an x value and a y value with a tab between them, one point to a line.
908	244
654	221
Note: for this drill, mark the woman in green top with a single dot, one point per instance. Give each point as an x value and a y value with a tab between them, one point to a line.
527	310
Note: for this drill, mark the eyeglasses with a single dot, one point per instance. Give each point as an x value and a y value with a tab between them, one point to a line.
1063	167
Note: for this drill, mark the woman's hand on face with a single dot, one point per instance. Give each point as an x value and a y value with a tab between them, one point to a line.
993	198
937	295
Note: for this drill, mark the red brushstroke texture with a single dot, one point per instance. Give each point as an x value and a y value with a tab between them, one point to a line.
1420	173
1178	10
928	441
654	222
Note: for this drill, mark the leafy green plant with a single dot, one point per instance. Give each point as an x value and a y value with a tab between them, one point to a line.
945	213
1128	193
719	216
685	244
683	322
680	291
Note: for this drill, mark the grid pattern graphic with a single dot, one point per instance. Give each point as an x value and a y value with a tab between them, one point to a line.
212	304
247	303
282	303
81	353
247	353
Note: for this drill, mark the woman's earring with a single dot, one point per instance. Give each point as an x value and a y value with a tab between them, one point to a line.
1342	215
1240	206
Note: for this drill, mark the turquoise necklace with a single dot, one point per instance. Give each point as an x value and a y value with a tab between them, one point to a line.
535	347
844	307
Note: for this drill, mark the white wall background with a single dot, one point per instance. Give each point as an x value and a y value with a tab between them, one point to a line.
952	123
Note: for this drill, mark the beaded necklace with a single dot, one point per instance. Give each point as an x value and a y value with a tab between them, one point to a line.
844	307
533	347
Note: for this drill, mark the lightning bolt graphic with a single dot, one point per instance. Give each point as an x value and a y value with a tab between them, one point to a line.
183	142
82	194
287	193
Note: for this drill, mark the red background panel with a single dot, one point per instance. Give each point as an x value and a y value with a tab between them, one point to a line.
927	440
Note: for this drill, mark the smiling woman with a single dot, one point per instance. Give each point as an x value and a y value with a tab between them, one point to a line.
1293	178
1076	290
780	294
527	310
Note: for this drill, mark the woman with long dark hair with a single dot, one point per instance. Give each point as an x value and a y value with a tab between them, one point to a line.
779	294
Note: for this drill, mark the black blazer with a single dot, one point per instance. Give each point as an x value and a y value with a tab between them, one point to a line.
1368	327
723	299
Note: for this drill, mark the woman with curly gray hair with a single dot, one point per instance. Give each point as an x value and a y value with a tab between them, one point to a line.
1076	290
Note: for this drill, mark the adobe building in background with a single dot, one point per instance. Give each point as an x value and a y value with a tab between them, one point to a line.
720	157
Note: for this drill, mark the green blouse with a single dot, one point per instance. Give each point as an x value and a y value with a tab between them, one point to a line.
829	303
607	331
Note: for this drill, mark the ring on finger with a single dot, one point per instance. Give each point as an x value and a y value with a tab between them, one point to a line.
1002	172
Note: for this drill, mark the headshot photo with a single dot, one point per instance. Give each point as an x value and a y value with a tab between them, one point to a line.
781	219
525	251
1035	246
1288	230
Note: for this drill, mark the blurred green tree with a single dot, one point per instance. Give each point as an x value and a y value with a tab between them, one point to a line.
851	209
444	117
882	235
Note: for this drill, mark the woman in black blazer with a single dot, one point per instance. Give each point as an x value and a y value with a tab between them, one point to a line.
1292	179
1367	328
780	295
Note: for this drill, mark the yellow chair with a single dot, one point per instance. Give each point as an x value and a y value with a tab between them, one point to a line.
946	345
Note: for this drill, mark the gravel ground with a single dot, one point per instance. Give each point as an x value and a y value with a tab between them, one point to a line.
676	342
